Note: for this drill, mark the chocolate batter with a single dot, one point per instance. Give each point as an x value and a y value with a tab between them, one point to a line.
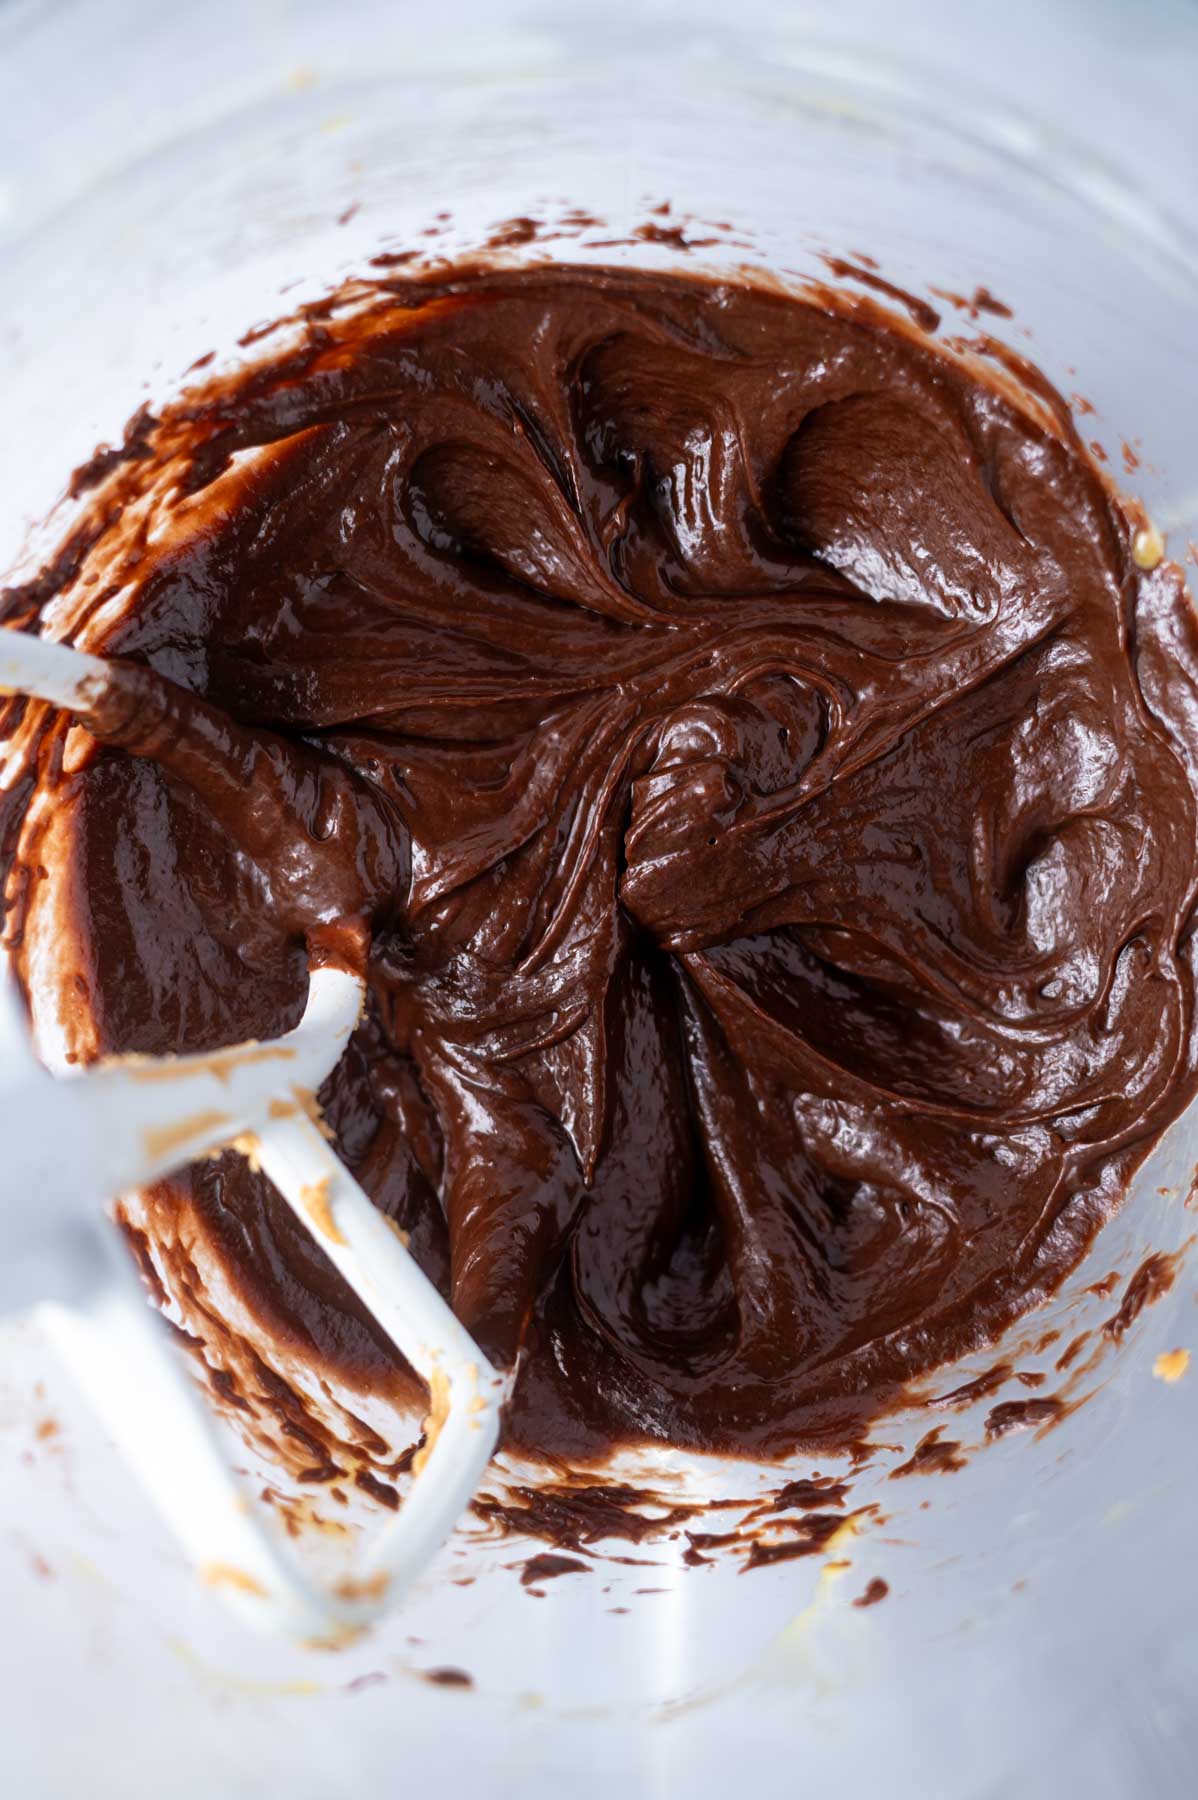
770	784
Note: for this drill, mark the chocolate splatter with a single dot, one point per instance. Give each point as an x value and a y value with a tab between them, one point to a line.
933	1455
1017	1415
547	1567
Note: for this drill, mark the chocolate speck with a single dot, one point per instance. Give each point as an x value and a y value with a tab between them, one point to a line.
1073	1350
1105	1287
933	1455
378	1490
1016	1415
808	1496
812	1534
374	1678
546	1566
672	235
922	313
1154	1277
513	232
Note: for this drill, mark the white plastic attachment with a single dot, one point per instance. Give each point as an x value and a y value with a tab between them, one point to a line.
73	1141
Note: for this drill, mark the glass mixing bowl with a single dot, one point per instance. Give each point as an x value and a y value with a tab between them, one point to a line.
1041	1598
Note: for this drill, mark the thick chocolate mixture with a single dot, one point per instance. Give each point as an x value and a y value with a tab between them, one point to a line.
771	785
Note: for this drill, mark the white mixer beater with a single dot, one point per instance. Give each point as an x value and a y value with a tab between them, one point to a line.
77	1140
